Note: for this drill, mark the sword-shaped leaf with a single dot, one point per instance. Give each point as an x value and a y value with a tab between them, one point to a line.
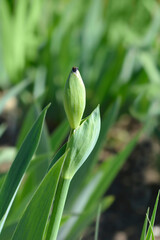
17	170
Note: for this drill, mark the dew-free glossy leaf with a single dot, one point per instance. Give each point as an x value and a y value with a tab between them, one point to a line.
31	116
144	230
97	185
33	222
149	232
108	120
81	143
97	222
16	172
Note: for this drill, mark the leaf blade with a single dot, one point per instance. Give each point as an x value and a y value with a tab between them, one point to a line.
144	229
151	223
33	222
15	174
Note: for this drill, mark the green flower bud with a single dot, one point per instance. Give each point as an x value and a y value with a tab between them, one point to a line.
74	98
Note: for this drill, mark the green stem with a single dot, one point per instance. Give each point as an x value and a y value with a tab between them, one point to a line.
58	207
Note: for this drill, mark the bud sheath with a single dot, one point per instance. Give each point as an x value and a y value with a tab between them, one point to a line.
74	98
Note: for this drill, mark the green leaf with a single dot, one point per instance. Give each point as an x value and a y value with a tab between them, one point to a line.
43	148
25	191
151	229
16	172
81	143
149	232
32	114
33	222
108	120
28	188
94	189
144	230
97	222
7	232
2	177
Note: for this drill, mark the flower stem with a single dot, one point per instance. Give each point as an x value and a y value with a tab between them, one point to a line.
58	207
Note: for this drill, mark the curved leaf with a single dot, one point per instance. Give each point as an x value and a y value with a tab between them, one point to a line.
81	143
15	174
33	222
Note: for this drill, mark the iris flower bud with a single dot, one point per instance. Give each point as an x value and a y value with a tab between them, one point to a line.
74	98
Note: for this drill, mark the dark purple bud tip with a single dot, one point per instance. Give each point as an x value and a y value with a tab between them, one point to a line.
74	69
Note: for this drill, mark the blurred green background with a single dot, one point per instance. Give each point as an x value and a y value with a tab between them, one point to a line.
115	45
